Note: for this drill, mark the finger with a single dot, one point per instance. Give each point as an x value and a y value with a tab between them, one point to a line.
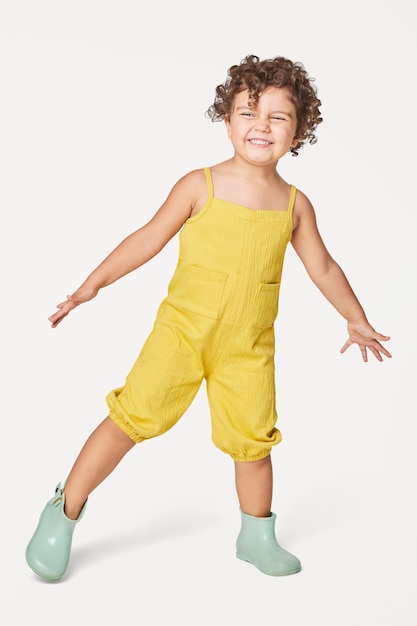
74	301
384	351
61	309
381	337
345	346
55	316
376	353
61	313
364	353
55	319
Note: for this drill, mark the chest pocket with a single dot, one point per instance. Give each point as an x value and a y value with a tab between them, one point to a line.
200	291
266	305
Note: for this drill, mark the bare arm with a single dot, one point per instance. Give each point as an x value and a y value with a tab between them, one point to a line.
140	246
328	276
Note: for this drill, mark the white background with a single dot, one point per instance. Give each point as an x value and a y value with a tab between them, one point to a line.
101	111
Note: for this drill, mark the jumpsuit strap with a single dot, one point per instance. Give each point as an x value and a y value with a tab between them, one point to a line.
293	193
209	182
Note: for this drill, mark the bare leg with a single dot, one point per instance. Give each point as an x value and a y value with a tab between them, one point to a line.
256	542
254	486
101	453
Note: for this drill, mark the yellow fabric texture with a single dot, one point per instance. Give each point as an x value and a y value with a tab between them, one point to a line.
217	324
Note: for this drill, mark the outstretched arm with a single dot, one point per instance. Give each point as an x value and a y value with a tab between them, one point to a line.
139	247
328	276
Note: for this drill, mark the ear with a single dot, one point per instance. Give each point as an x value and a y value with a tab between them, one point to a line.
301	134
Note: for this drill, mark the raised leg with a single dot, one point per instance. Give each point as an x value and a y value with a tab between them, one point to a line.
48	551
101	453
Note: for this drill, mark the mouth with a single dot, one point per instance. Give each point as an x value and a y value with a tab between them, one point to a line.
262	143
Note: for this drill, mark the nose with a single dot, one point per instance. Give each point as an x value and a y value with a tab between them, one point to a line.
262	124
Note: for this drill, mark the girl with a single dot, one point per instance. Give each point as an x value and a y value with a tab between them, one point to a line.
217	321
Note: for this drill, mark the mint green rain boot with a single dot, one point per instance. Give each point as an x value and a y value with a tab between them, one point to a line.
48	552
256	543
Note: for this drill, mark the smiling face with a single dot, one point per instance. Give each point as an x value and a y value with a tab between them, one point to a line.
262	132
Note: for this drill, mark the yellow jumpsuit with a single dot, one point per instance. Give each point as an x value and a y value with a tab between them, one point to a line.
217	324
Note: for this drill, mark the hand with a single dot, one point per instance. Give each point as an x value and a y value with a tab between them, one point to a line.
78	297
367	339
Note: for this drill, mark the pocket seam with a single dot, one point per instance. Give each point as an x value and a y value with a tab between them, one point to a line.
265	316
213	280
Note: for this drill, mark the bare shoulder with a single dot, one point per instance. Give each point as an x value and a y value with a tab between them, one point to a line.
194	185
179	203
194	178
303	209
185	194
191	184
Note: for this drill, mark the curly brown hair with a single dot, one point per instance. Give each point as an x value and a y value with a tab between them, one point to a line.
256	76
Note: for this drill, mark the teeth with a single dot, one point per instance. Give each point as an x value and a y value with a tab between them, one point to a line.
259	142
